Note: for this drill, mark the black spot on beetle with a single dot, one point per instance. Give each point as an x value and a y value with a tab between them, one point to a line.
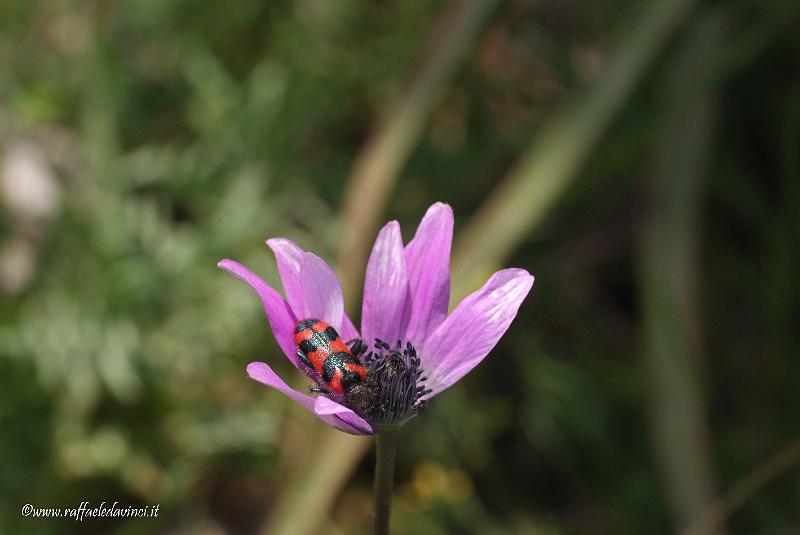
307	346
331	334
350	378
328	369
305	324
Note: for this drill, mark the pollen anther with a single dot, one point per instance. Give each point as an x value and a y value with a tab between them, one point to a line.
390	394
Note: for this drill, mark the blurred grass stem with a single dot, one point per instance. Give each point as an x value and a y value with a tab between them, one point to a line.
378	165
668	272
312	487
560	148
715	515
385	453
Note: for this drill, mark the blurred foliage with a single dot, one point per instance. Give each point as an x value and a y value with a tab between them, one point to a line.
143	141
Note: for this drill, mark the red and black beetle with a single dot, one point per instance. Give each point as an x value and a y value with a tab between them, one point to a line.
320	348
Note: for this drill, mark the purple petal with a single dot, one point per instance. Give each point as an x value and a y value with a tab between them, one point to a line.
289	257
322	294
346	419
464	339
384	313
328	411
349	331
279	315
428	260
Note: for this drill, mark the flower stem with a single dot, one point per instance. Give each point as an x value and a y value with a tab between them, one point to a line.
385	449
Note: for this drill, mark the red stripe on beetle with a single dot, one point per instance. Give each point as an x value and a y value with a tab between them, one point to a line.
317	358
338	346
320	326
321	348
335	384
356	368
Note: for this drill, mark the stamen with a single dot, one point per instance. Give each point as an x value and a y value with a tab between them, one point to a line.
391	391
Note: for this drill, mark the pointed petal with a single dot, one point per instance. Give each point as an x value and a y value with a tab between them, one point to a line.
386	297
263	373
347	419
331	413
428	261
464	339
322	294
279	314
289	257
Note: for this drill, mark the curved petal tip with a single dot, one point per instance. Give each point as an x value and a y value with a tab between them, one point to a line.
328	411
467	336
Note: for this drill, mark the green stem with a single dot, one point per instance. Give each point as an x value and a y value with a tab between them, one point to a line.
385	449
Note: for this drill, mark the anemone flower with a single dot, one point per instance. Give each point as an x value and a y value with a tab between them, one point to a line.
412	350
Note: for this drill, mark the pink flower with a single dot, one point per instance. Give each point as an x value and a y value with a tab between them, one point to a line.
406	294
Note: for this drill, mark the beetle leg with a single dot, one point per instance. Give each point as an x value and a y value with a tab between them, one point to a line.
319	390
304	359
356	347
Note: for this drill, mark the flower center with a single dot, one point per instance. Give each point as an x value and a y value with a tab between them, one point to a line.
391	391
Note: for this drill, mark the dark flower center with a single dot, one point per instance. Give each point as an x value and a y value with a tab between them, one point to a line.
391	391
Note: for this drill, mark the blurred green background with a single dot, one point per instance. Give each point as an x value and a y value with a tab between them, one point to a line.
641	158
